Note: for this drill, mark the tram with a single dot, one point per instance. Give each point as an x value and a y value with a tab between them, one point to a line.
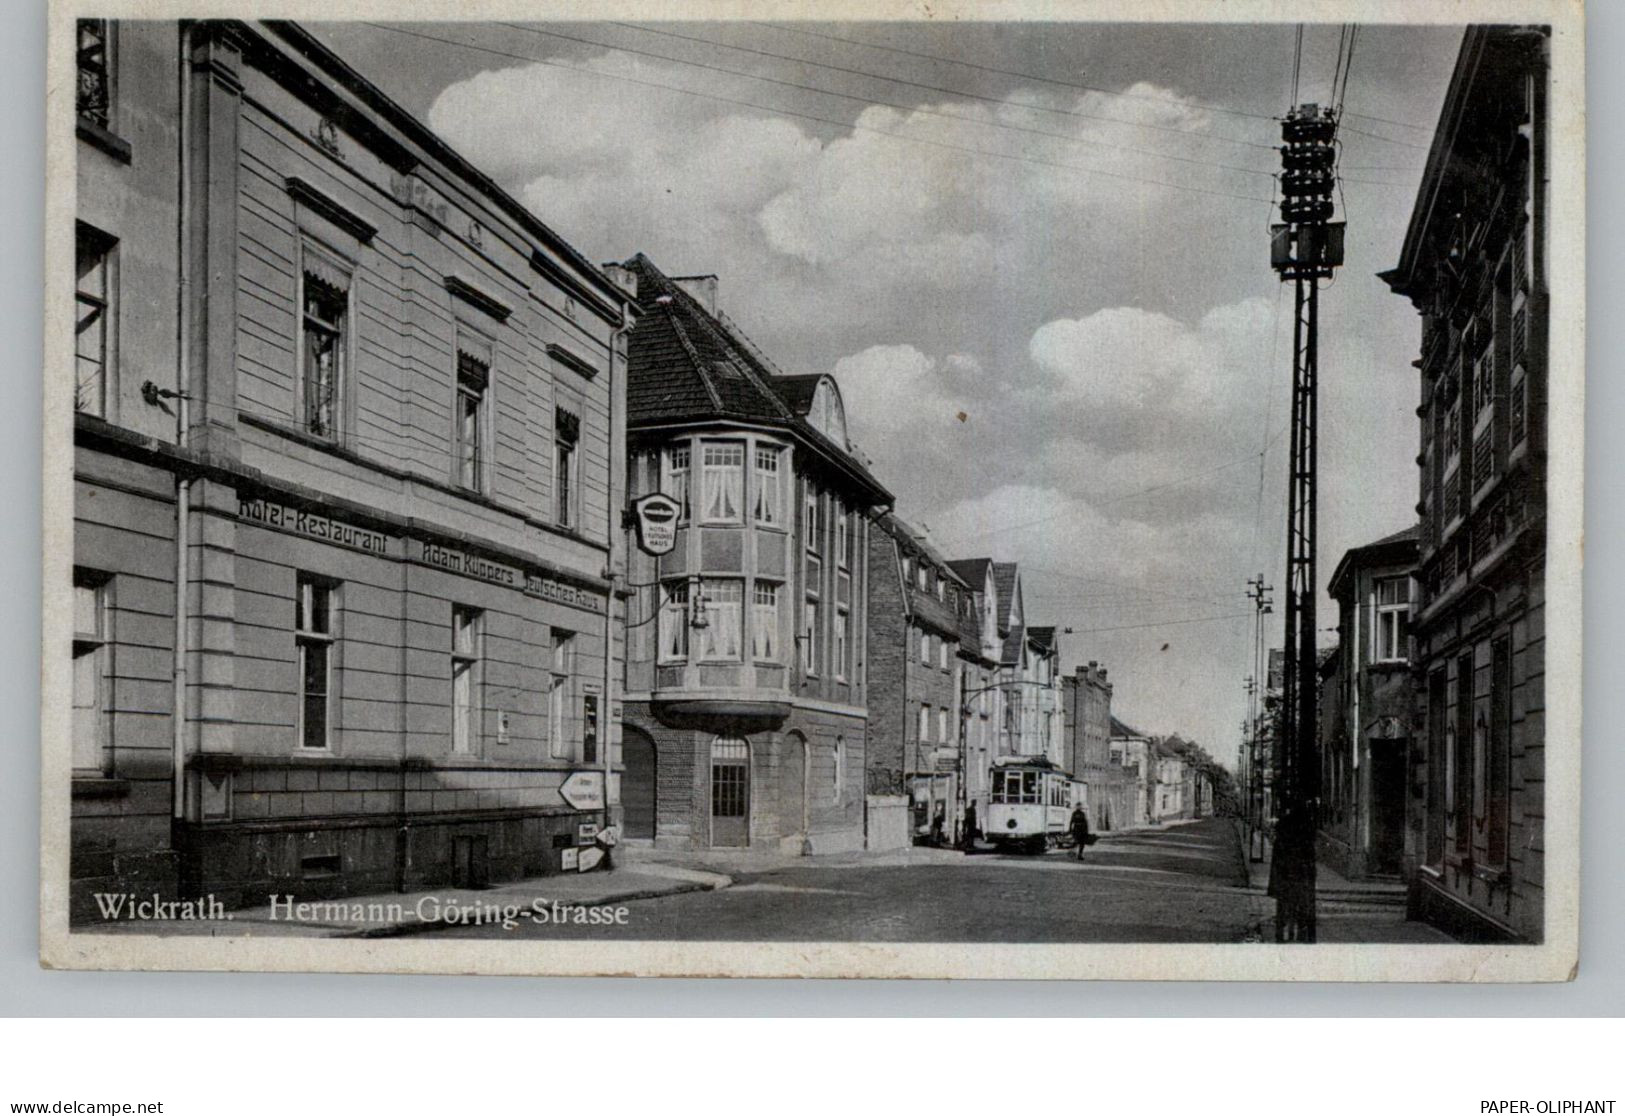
1030	804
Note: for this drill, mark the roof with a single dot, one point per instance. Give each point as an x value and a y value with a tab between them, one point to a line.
1397	549
972	571
898	529
1044	637
687	365
1121	729
1004	583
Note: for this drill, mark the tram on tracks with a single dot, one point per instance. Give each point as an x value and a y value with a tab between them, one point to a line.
1029	806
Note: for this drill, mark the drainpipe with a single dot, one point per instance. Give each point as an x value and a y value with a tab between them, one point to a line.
183	483
612	524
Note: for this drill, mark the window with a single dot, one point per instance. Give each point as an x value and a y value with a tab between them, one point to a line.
838	777
764	622
473	374
908	568
923	733
922	577
1461	780
94	101
675	481
313	636
724	619
566	485
324	309
722	479
94	297
813	519
942	654
769	505
843	535
942	727
465	679
673	622
90	681
809	635
843	642
1499	760
558	693
1391	630
925	649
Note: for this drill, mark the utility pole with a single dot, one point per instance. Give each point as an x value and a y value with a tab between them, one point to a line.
1259	594
1305	249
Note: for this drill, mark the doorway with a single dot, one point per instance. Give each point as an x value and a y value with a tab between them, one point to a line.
1387	806
793	785
638	788
730	792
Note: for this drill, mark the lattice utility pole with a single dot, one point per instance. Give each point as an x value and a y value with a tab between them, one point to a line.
1305	249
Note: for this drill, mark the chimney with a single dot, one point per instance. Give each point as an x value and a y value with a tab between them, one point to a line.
623	277
701	288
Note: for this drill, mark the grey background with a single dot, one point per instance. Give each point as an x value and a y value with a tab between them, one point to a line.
26	990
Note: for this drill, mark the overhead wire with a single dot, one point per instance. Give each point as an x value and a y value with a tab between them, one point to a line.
1185	132
1204	105
1081	167
879	103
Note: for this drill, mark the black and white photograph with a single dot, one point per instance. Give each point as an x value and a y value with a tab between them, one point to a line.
1068	493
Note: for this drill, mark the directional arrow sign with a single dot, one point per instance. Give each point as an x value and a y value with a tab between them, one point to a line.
584	790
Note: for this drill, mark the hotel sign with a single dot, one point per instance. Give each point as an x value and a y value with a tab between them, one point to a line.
656	516
298	521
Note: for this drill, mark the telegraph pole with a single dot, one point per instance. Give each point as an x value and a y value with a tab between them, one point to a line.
1305	249
1259	593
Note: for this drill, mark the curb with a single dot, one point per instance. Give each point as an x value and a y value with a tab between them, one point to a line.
412	929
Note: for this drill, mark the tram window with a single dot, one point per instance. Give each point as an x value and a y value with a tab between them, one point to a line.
1029	786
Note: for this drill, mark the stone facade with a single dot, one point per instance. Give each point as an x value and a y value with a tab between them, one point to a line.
1365	711
1474	265
747	653
1087	705
396	603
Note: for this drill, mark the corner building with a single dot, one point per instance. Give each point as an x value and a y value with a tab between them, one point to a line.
1474	266
746	702
392	442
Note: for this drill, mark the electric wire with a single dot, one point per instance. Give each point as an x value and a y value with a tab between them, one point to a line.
1083	168
1015	128
1185	132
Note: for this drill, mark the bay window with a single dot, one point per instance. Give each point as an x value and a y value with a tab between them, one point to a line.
673	622
768	509
724	616
764	622
674	479
722	479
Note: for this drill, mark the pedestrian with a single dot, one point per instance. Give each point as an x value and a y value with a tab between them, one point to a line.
939	821
1079	826
970	827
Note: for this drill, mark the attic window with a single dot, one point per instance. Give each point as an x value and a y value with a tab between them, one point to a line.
727	370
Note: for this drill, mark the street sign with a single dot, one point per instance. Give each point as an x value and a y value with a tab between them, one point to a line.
608	836
569	860
584	790
656	516
590	858
585	832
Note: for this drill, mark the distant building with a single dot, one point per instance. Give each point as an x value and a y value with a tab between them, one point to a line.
1136	753
746	710
915	675
1366	710
1474	265
1087	703
982	699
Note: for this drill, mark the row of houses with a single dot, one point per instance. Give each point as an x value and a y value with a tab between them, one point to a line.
1432	728
357	598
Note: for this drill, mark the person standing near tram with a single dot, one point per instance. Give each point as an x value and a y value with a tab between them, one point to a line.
1079	825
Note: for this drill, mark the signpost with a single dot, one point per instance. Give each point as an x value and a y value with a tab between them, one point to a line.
584	790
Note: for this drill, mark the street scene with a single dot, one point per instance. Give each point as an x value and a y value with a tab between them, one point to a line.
821	482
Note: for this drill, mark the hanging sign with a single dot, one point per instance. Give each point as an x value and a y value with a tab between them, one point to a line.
656	516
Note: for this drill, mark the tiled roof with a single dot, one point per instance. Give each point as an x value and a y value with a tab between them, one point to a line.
1004	581
1044	637
687	365
1121	729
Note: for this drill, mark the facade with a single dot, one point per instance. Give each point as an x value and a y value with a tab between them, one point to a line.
388	444
1366	699
982	699
1474	267
746	711
915	737
1087	705
1136	753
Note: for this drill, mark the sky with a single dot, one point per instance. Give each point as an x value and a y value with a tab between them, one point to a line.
1034	257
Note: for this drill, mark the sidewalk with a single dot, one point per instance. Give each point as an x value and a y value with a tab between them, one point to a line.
737	862
395	914
1349	911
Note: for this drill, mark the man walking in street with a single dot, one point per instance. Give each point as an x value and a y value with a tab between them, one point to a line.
969	834
1080	829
